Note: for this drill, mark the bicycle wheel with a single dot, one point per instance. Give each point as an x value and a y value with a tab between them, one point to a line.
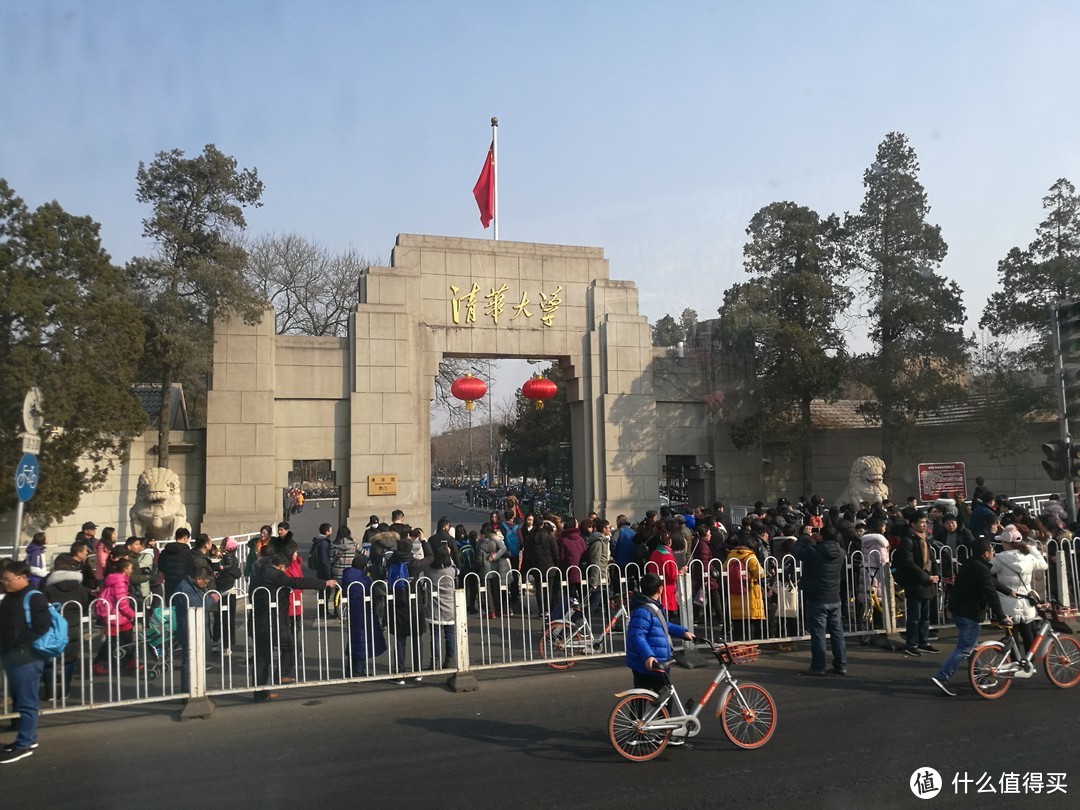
748	715
560	638
627	730
1063	662
984	670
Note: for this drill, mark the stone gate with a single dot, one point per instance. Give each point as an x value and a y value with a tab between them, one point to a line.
363	401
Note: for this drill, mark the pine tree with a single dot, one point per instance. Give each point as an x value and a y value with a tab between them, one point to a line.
790	315
916	315
198	272
69	326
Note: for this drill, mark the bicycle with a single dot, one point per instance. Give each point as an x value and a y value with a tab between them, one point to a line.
574	636
994	665
26	477
643	722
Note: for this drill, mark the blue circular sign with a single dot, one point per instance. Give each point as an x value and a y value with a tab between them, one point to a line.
26	477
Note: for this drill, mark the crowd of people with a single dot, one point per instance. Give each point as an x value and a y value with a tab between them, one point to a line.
937	551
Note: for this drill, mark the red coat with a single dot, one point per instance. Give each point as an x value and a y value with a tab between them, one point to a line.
662	563
296	598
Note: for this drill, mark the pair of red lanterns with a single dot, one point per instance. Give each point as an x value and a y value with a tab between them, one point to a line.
469	389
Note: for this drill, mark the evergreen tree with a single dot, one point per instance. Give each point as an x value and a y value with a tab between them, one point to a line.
1032	280
791	314
1018	355
916	315
69	326
198	272
687	322
667	332
534	434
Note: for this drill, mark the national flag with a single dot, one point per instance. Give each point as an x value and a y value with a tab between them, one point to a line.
484	190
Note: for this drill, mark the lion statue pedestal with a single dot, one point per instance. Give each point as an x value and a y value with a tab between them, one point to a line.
159	510
867	482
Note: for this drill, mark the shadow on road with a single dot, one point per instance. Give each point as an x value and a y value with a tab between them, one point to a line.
529	739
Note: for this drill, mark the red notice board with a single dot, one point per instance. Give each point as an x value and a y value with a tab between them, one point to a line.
942	477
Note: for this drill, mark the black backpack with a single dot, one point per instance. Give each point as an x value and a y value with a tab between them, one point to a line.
313	556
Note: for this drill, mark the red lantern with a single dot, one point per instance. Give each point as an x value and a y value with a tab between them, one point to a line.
539	389
469	389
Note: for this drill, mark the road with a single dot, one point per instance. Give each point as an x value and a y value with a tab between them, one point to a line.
533	737
443	505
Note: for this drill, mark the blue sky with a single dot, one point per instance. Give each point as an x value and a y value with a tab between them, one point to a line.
653	130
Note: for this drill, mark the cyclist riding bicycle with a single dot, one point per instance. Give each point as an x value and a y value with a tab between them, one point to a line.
649	634
975	591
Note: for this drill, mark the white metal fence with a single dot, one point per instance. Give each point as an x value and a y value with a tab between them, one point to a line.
255	641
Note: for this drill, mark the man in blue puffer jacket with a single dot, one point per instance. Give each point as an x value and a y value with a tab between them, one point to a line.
649	634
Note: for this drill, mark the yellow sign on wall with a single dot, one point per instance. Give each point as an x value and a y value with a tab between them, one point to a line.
382	485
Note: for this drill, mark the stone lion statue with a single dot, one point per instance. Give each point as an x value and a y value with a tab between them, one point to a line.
866	482
159	510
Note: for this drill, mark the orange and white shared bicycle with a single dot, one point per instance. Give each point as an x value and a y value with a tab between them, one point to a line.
643	722
994	665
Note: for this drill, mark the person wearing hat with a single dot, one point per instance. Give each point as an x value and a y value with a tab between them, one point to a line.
1014	569
975	590
371	528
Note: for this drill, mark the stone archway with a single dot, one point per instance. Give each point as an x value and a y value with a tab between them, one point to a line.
363	401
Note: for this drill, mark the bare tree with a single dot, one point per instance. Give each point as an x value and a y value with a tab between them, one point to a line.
312	290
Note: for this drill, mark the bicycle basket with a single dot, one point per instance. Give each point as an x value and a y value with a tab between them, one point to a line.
732	654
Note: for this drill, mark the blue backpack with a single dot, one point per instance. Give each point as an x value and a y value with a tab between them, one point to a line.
397	574
52	644
511	537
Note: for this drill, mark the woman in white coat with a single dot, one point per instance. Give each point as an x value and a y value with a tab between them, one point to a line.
1014	568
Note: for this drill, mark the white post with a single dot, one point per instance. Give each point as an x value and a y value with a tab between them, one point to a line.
198	705
18	529
495	179
462	680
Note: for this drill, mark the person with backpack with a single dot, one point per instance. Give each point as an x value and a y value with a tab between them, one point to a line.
320	561
511	533
383	544
467	564
22	665
65	586
403	620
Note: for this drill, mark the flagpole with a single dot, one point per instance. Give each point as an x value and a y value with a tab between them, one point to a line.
495	163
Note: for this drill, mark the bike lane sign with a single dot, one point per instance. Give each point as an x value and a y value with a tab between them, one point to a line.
26	477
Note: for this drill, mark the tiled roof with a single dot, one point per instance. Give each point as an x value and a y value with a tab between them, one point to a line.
149	396
843	414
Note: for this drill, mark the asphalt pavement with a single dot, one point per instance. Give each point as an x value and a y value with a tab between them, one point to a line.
533	737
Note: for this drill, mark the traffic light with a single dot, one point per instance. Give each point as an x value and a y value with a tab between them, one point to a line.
1068	327
1057	459
1073	461
1069	331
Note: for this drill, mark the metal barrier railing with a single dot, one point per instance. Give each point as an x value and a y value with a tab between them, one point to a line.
258	639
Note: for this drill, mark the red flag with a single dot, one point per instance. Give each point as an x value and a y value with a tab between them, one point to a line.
484	190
